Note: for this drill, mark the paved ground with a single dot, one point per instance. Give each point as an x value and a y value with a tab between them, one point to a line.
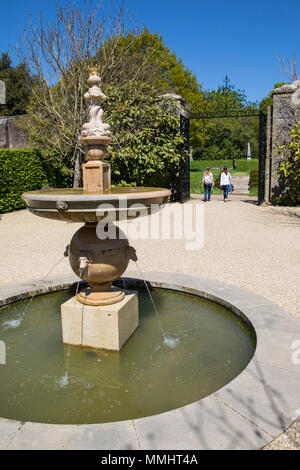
257	248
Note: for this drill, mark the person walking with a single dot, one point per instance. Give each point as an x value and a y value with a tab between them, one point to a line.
225	182
208	182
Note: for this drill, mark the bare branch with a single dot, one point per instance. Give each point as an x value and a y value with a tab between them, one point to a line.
288	66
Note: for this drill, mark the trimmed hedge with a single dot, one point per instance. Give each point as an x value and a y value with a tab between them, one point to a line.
20	170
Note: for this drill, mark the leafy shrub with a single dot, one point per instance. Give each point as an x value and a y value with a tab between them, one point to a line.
20	171
198	154
147	146
56	176
287	191
225	138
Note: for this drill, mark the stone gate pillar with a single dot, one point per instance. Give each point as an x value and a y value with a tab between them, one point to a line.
283	116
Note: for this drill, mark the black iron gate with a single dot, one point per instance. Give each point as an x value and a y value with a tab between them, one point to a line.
184	168
184	171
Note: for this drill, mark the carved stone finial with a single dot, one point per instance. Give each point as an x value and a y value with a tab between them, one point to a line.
95	132
95	135
94	70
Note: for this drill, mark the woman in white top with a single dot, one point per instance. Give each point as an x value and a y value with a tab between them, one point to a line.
225	182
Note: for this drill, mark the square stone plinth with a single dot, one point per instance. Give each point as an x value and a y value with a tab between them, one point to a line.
102	327
96	175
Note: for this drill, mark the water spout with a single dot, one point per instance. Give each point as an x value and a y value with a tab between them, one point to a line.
152	301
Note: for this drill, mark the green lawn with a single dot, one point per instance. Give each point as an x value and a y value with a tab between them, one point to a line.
243	168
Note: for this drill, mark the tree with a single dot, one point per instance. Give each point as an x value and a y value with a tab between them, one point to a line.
268	100
59	54
227	100
168	72
288	66
226	137
18	83
288	190
147	146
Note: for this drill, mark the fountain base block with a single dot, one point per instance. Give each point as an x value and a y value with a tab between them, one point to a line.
100	327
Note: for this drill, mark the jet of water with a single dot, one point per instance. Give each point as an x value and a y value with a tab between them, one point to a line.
152	300
16	323
78	282
65	378
43	279
53	267
64	381
168	340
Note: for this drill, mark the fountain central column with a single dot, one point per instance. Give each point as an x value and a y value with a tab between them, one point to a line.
100	316
95	135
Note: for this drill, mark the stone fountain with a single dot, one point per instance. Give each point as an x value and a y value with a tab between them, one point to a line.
100	316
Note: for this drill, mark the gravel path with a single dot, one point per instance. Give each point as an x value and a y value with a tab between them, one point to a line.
257	248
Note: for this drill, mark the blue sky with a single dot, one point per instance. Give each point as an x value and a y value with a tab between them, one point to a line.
213	37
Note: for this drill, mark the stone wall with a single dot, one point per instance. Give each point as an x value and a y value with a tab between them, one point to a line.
11	136
282	117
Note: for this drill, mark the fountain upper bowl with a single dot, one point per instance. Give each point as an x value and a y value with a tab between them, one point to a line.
79	205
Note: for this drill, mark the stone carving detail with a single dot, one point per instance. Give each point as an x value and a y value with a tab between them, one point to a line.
95	127
95	135
62	205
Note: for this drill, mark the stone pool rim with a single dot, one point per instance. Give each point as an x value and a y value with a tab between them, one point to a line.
247	413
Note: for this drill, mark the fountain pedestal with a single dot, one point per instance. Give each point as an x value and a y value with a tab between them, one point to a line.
96	176
103	327
95	135
100	316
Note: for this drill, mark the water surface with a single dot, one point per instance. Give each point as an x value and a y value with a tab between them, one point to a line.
206	347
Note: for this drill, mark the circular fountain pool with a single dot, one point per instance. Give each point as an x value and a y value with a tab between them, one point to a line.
46	381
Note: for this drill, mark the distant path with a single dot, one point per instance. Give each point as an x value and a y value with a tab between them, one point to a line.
240	184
